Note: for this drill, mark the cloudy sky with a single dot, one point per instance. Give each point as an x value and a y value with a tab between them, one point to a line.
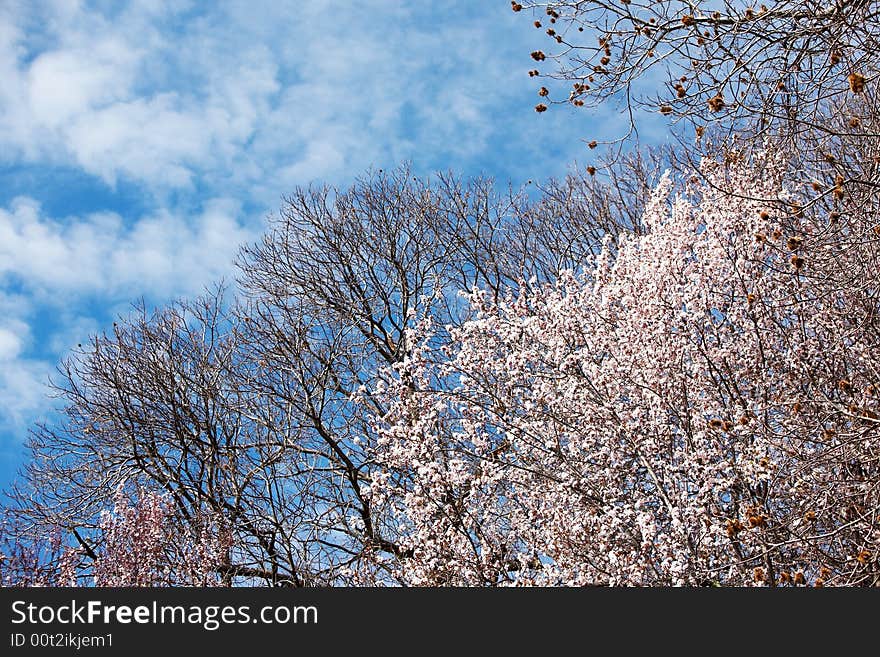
142	142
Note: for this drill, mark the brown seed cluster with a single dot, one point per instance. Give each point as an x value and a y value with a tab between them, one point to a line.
755	518
856	82
716	103
516	6
540	107
733	527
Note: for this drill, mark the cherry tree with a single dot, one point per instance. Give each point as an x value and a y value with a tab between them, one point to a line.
698	406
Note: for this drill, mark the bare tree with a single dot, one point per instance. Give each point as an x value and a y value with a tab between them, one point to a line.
151	402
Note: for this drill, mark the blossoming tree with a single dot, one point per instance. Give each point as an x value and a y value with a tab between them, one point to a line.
698	406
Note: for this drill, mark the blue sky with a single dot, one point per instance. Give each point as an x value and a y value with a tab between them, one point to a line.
142	142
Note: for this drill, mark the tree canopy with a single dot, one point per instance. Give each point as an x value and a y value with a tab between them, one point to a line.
625	377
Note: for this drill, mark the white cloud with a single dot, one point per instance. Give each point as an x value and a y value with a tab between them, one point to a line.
159	255
260	95
119	97
153	140
23	391
64	84
22	378
10	344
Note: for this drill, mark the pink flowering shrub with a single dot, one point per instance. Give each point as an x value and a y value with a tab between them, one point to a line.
699	406
141	543
144	545
29	564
